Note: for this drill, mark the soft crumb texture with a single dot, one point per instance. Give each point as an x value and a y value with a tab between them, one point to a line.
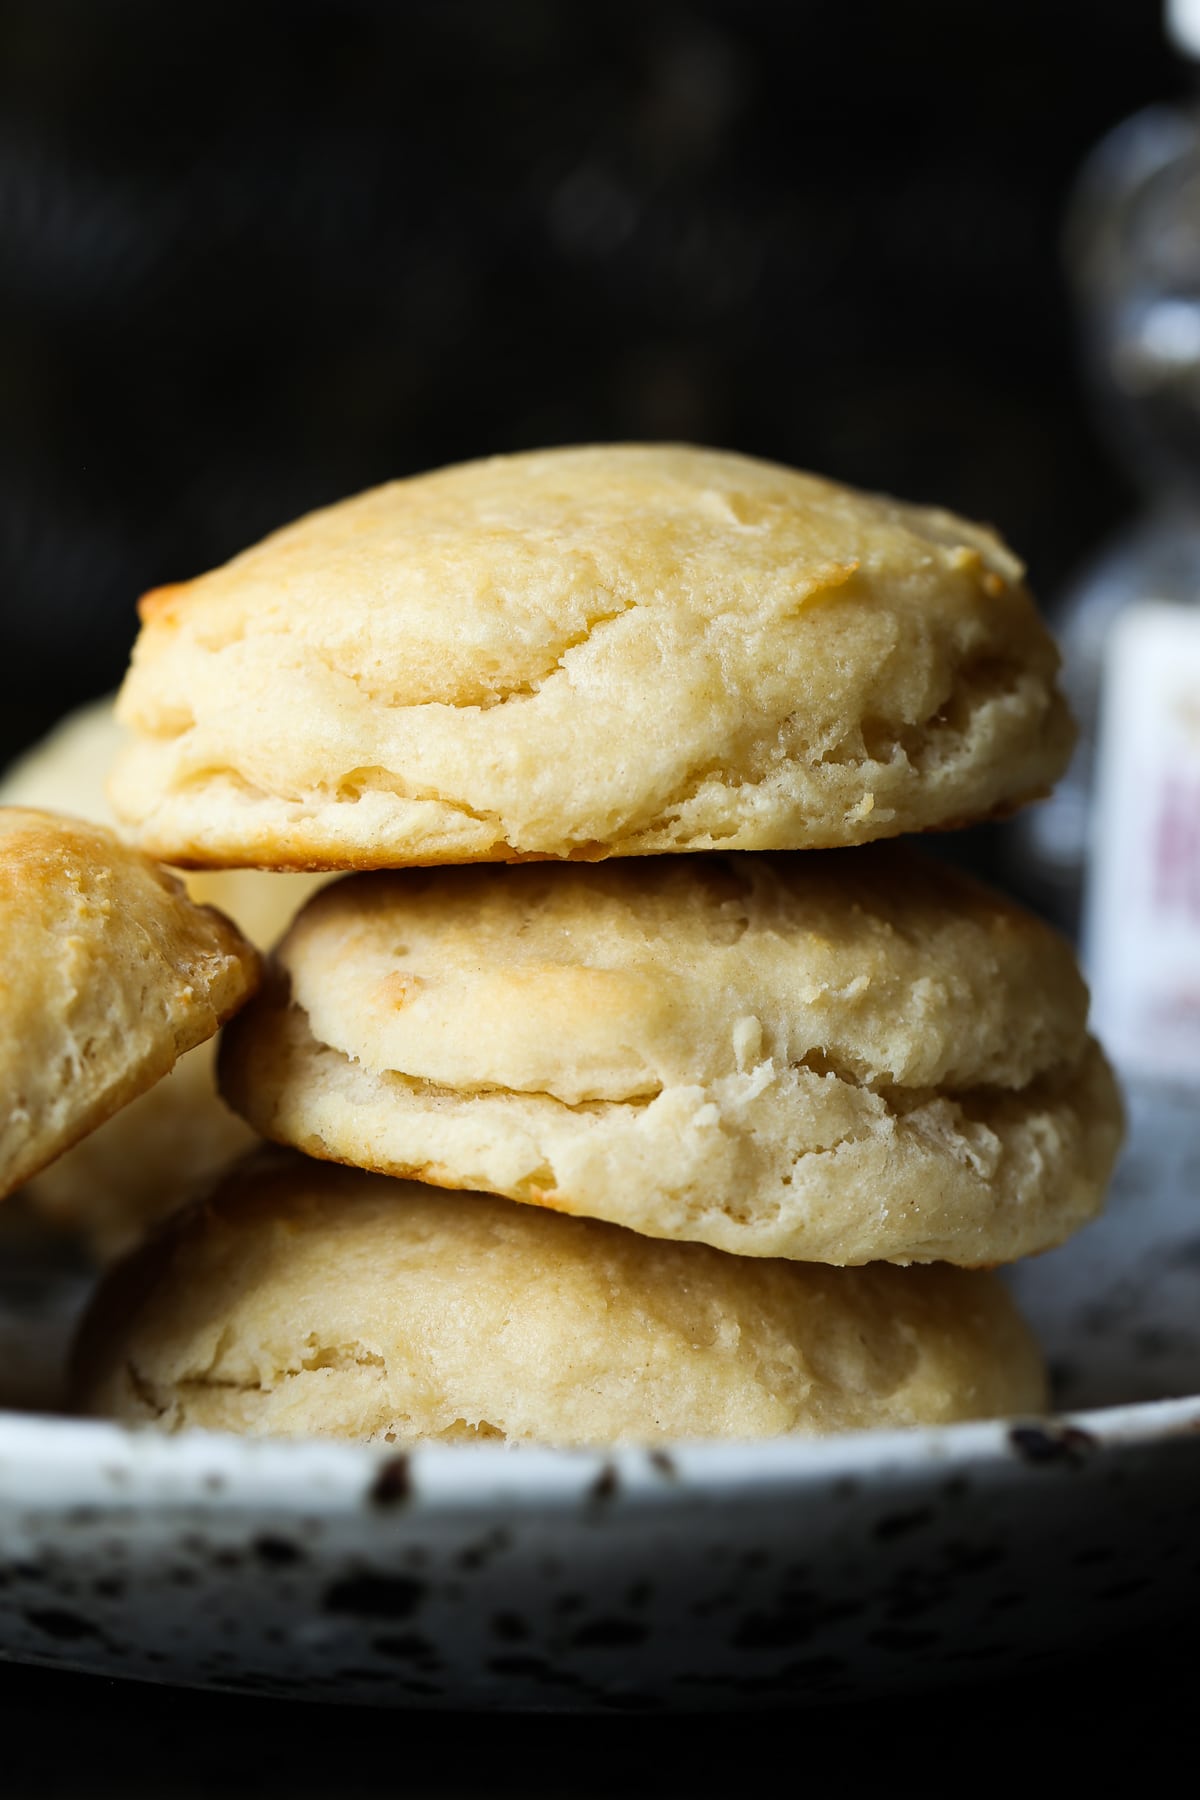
304	1299
108	973
848	1058
155	1150
583	653
152	1155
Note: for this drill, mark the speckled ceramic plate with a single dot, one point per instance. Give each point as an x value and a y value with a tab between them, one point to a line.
699	1576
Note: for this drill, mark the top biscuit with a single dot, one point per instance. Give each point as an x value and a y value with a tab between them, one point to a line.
606	651
109	973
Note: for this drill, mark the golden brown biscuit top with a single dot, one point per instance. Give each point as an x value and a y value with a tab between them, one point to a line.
302	1298
61	878
607	650
463	586
107	974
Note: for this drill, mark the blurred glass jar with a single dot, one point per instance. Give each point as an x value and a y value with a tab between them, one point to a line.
1115	853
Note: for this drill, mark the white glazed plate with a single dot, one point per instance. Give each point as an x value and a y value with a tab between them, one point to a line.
699	1576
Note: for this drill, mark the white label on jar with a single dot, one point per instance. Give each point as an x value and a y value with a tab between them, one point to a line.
1142	925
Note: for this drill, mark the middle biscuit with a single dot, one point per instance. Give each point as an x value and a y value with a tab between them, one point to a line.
847	1058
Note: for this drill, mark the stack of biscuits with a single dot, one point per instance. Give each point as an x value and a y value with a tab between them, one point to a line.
625	1089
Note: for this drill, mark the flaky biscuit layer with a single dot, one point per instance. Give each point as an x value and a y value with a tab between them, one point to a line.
108	974
606	651
845	1058
304	1299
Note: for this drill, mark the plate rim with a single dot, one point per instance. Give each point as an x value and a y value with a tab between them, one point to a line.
63	1465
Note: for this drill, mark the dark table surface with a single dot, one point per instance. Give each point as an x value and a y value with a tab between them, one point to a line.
78	1736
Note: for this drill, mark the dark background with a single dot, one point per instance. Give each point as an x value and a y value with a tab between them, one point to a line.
254	257
1123	1714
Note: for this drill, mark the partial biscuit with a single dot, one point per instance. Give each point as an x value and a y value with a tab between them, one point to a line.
109	974
304	1299
178	1134
68	772
604	651
161	1148
846	1059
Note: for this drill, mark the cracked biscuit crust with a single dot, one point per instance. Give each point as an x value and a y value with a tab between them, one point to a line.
840	1059
604	651
304	1299
109	974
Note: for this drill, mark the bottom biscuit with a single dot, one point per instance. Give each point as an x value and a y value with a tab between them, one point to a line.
306	1299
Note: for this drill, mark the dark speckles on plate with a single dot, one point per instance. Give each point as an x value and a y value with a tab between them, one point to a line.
1051	1443
374	1596
408	1646
477	1555
393	1485
58	1623
609	1634
277	1552
606	1486
899	1524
